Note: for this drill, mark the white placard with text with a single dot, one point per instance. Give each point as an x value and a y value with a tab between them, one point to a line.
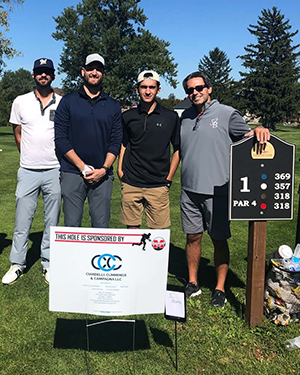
109	272
175	304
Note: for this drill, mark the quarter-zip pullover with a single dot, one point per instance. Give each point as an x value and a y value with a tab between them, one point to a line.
205	146
90	126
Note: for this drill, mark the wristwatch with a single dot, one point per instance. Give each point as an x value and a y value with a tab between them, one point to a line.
104	167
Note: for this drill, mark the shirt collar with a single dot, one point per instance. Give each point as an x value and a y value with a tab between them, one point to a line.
206	105
53	99
157	109
83	93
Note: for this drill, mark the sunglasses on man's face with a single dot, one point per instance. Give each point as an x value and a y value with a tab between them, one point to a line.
40	71
98	67
198	88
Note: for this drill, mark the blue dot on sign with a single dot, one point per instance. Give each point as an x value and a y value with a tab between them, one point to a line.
264	176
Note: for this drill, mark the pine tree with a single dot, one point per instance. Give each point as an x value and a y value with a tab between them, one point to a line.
115	29
217	67
272	70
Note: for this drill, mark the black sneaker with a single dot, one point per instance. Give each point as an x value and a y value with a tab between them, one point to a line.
192	290
218	299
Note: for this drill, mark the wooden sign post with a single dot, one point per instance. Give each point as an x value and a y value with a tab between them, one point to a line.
257	235
261	188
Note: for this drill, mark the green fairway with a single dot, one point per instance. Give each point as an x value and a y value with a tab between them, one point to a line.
213	341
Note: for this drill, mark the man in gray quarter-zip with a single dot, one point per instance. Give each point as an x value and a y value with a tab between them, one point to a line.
144	162
207	130
32	117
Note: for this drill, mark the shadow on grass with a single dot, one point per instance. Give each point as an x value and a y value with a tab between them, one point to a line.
6	134
108	337
4	242
206	275
163	338
33	254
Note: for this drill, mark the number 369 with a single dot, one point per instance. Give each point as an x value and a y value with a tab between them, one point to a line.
282	176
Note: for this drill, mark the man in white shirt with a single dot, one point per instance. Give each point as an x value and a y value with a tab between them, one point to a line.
32	118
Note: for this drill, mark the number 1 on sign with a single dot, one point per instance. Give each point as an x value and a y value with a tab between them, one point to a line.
245	188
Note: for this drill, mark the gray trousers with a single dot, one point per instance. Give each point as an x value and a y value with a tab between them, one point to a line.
74	192
30	183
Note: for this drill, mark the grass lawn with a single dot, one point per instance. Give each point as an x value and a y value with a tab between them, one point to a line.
213	341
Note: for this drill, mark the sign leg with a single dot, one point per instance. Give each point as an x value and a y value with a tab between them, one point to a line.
298	221
256	272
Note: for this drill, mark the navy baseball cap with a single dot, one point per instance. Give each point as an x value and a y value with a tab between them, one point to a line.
43	63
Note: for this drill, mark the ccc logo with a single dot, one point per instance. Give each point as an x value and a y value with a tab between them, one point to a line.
107	262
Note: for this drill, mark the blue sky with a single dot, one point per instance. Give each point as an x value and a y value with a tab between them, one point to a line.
193	27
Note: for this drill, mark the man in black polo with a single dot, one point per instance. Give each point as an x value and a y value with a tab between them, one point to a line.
144	162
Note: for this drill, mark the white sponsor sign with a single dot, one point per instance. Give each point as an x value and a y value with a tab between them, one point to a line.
110	272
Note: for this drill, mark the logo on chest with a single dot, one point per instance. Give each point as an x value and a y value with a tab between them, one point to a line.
159	124
214	123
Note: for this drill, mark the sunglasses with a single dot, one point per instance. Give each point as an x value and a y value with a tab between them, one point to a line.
197	122
40	71
199	88
144	87
99	68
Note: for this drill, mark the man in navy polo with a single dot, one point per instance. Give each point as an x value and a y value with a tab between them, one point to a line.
88	135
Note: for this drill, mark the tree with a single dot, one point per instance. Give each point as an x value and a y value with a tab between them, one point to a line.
170	102
13	84
272	69
217	67
6	49
114	28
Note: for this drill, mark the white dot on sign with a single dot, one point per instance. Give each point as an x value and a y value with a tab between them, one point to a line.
263	186
261	212
262	165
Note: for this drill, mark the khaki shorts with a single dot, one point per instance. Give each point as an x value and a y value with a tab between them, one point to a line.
155	201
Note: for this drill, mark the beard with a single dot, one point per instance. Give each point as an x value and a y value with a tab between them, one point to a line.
96	84
44	83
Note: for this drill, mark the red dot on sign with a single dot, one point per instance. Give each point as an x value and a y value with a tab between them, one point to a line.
263	206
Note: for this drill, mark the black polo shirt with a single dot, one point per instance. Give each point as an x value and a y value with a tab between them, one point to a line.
147	139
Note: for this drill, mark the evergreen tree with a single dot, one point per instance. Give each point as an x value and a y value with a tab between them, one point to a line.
272	70
13	84
217	67
113	28
170	102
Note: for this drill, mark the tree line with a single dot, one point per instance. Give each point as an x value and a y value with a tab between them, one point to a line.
268	87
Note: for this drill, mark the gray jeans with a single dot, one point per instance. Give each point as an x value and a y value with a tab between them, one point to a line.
30	183
74	192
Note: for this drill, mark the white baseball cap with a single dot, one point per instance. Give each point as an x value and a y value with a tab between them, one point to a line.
94	57
148	74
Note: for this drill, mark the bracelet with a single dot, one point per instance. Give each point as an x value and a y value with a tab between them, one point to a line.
104	167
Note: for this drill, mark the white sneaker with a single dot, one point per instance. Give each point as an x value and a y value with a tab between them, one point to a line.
46	273
12	275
